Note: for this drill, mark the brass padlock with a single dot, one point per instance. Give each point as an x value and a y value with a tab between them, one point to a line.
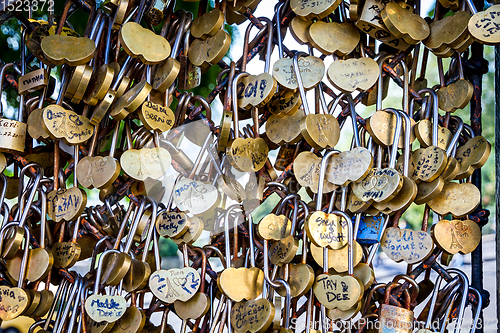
393	319
13	132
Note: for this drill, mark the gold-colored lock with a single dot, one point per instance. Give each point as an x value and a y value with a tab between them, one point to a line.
393	318
13	132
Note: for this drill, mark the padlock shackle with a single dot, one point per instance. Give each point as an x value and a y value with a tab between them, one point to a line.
24	262
226	232
298	78
435	113
322	172
75	290
251	235
269	44
350	241
204	262
96	250
133	227
370	296
452	145
267	278
354	119
281	207
395	140
234	97
380	87
2	75
100	265
471	6
479	307
152	227
61	292
335	102
32	188
281	186
288	302
278	29
156	247
406	278
463	301
218	252
387	294
407	142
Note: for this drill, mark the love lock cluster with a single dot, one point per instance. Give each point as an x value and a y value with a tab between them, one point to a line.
275	226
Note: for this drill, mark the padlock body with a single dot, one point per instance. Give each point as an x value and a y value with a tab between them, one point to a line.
394	319
369	230
12	136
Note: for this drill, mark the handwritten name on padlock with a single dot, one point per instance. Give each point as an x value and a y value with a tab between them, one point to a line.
252	316
412	246
105	308
335	291
13	302
65	205
171	224
326	230
175	284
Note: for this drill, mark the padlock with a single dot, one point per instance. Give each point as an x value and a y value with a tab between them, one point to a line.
119	262
393	318
198	305
189	74
139	271
370	22
16	297
13	132
370	229
245	154
95	302
13	238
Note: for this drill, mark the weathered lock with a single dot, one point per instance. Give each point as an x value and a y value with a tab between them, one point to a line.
83	74
370	229
250	153
254	191
115	216
370	22
98	219
103	76
319	130
282	327
409	189
99	171
394	319
230	186
194	196
369	189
